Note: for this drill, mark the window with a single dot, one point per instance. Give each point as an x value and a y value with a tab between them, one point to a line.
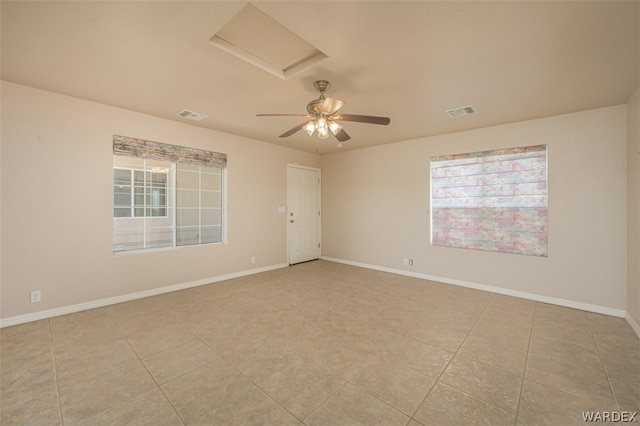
166	195
491	200
138	193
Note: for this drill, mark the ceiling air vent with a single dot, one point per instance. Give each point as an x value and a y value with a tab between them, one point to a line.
195	116
460	112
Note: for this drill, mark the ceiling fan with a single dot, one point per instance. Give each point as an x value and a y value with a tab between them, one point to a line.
324	116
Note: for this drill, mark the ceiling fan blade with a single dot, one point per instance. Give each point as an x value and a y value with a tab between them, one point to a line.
342	136
330	105
283	115
370	119
294	130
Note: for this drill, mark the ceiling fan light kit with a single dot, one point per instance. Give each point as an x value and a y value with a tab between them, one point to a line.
324	116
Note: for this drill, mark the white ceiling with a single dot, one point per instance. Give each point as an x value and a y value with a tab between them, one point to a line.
408	60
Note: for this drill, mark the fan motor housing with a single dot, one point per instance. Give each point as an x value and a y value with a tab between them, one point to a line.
313	106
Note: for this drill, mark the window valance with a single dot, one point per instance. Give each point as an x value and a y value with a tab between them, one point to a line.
140	148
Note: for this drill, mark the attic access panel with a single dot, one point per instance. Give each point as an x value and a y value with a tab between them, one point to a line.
257	38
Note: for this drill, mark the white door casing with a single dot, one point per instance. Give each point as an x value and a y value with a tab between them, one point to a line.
303	213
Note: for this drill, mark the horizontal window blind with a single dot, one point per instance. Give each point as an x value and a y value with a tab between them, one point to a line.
491	200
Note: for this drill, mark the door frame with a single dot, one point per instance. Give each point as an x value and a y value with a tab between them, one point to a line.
287	216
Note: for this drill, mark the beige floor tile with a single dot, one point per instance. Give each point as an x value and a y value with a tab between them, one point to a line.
205	390
553	314
395	384
509	303
501	333
627	393
143	324
495	386
613	344
87	326
252	407
620	356
585	380
546	405
23	356
25	346
82	399
149	343
608	325
303	385
559	333
344	362
460	316
347	344
80	360
174	362
422	357
446	405
231	337
510	319
553	347
29	396
150	408
351	406
17	380
505	355
27	332
263	359
439	335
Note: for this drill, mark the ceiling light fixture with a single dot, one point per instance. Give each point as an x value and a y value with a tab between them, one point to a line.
323	126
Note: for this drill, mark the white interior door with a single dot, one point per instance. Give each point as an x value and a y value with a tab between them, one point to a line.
303	213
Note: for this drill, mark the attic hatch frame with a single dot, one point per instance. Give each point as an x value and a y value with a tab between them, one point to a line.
233	38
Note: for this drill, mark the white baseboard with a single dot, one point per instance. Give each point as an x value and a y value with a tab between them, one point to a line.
20	319
634	325
515	293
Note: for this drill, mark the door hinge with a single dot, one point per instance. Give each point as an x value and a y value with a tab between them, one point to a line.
318	245
318	212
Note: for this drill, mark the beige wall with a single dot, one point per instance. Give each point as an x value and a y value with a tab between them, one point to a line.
57	203
633	217
376	209
56	182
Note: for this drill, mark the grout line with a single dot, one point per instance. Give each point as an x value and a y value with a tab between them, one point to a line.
55	373
526	360
146	368
157	384
449	363
604	370
255	383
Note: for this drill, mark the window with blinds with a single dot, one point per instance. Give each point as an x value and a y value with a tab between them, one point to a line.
166	195
491	200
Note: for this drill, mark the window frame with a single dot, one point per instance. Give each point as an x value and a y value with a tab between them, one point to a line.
149	232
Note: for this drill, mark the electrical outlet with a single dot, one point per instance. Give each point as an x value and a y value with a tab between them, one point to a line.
36	296
405	262
410	262
253	259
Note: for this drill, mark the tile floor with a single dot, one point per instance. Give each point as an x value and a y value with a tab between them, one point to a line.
320	344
